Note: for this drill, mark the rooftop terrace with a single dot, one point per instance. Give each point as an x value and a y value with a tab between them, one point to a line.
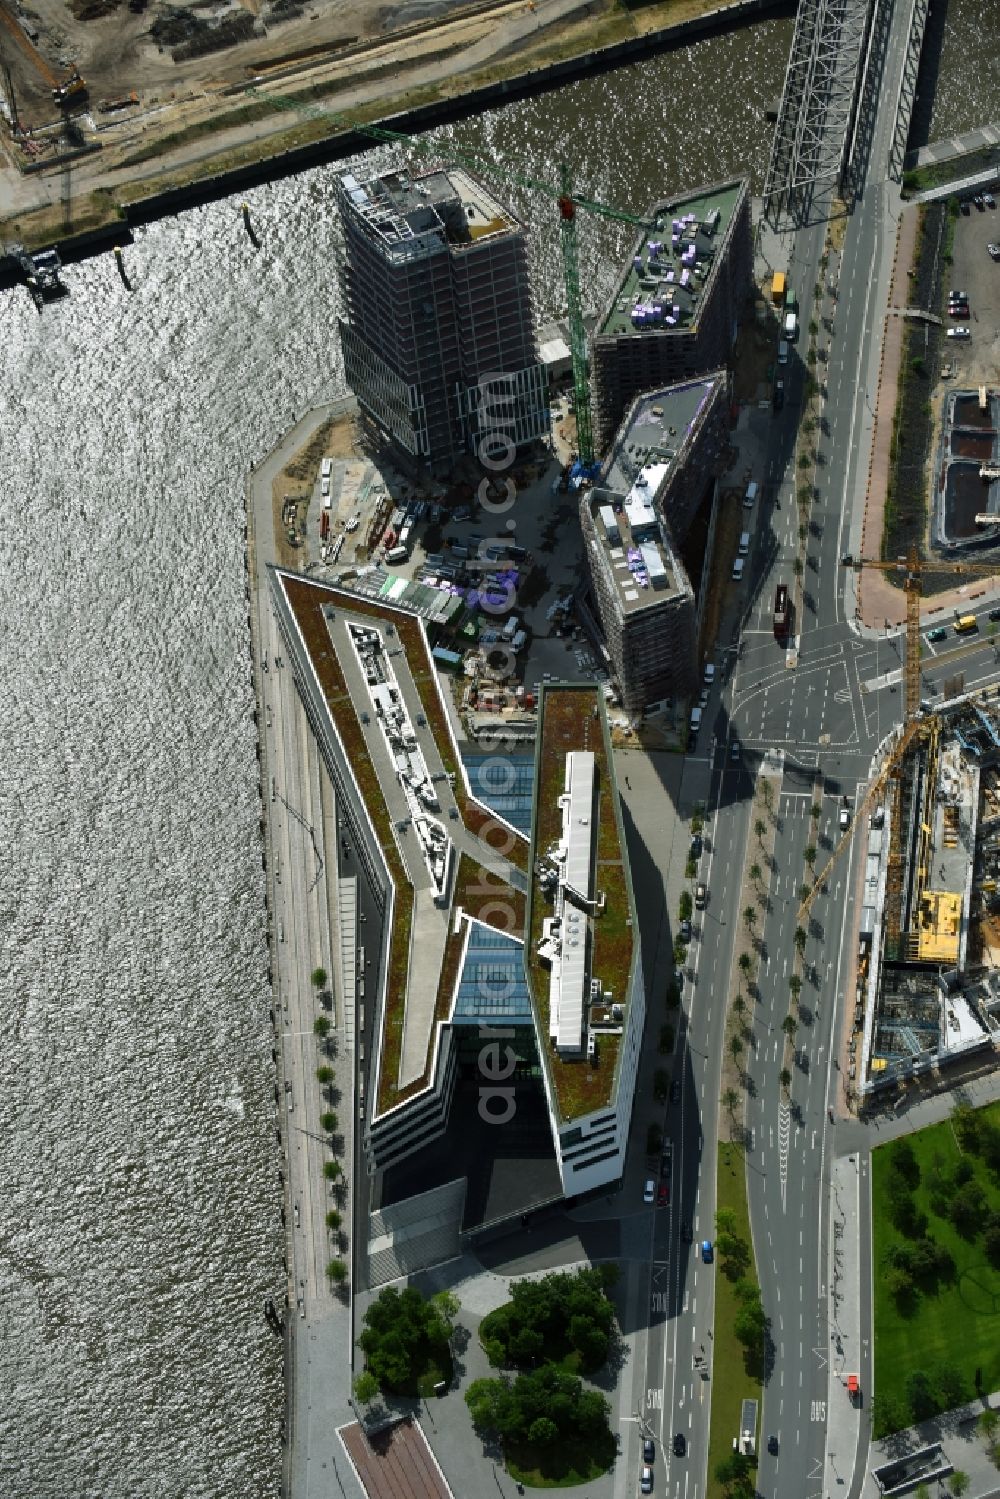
671	268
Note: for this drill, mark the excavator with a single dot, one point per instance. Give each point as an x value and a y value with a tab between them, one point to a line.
73	90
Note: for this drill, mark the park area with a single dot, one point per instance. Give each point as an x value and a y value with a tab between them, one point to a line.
936	1228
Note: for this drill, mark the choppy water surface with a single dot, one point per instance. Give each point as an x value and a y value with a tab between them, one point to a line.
141	1229
966	90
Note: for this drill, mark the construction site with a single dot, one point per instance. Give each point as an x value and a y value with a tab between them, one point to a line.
928	937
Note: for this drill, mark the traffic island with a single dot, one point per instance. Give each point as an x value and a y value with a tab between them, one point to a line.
735	1363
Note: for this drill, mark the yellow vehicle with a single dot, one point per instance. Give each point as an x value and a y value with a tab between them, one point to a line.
964	623
778	288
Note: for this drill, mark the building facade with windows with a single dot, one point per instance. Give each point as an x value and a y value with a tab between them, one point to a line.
438	329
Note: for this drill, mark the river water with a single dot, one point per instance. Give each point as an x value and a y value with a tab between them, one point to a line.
141	1230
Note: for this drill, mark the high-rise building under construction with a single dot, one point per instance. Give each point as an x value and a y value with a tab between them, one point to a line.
437	332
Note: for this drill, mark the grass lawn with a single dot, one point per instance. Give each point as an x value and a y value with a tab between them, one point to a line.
958	1326
561	1466
731	1384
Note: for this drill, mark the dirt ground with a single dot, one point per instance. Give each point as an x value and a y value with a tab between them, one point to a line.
295	484
312	65
116	52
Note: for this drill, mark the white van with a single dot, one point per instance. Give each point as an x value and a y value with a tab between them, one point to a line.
324	488
751	495
694	722
709	674
327	468
791	327
396	554
738	570
744	547
782	352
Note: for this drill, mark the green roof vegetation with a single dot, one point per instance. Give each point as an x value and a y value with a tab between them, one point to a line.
572	718
484	895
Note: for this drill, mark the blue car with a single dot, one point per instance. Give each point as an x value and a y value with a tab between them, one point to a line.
707	1252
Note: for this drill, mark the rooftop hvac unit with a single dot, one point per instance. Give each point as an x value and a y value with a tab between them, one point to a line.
591	1048
617	1013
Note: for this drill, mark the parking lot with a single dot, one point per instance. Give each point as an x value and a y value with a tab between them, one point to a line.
977	359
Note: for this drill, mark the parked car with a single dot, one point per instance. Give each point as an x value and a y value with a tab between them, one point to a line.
964	206
989	200
685	931
700	896
663	1194
646	1481
958	296
648	1450
994	614
959	333
980	202
778	399
938	633
680	1444
994	251
649	1191
675	1090
696	846
734	751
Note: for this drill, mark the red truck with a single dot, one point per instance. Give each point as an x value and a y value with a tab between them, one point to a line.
781	612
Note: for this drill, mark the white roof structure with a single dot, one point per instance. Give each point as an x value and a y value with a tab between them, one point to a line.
568	983
578	824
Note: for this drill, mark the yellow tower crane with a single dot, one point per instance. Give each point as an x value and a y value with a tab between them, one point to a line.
915	725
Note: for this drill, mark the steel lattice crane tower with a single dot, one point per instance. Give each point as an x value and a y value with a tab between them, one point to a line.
568	201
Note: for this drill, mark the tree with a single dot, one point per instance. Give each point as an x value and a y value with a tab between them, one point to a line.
804	891
328	1121
321	1026
739	1006
950	1386
760	828
968	1209
958	1483
815	811
319	978
685	907
333	1219
800	938
404	1334
988	1422
920	1394
734	1469
331	1170
324	1076
736	1047
337	1271
785	1078
746	962
789	1026
365	1387
749	918
447	1306
542	1432
810	854
756	873
730	1099
903	1160
549	1318
899	1284
795	986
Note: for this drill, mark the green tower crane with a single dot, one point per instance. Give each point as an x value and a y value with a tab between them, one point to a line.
568	202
